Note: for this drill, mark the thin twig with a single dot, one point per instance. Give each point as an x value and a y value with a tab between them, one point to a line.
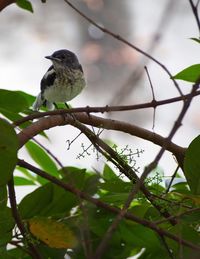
119	38
172	179
31	247
85	233
195	12
169	251
176	203
110	231
153	96
197	4
103	109
178	216
48	152
136	75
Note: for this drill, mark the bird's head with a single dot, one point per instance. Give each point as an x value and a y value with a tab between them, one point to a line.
64	58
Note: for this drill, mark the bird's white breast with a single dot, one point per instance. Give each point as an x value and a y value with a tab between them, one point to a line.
65	88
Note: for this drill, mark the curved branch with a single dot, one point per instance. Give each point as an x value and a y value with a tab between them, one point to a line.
4	3
58	120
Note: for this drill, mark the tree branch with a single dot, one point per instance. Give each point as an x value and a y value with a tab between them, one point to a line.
31	248
152	104
105	206
119	38
195	12
4	3
57	120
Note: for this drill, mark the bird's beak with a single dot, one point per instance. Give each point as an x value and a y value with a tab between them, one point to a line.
52	58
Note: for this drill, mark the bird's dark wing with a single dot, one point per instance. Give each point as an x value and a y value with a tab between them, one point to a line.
48	78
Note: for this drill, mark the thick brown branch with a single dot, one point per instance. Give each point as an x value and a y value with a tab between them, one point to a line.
4	3
57	120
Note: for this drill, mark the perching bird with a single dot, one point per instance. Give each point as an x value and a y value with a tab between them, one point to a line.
63	81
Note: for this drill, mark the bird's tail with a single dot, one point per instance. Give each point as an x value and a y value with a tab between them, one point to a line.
40	101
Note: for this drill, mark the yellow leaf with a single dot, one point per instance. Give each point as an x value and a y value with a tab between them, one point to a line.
53	233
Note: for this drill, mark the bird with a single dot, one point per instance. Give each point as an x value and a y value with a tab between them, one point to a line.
62	82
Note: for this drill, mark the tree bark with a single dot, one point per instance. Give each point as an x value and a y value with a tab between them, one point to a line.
4	3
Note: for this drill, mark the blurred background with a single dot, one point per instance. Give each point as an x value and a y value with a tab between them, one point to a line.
114	72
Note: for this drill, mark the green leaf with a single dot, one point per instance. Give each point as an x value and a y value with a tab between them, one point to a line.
24	4
190	74
91	183
113	183
193	217
86	181
181	187
26	173
116	198
3	197
108	173
12	101
192	165
42	158
15	253
8	151
75	176
140	210
47	200
56	207
80	178
188	233
3	252
18	180
6	225
116	186
195	39
140	236
48	252
29	98
12	116
152	214
33	203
